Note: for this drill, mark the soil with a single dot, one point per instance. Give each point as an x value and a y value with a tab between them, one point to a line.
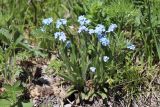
51	91
55	93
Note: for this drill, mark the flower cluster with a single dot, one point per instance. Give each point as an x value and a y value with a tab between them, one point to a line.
47	21
104	41
82	28
60	35
99	29
111	28
83	21
61	22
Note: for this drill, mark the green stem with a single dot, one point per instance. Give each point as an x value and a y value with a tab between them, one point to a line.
35	12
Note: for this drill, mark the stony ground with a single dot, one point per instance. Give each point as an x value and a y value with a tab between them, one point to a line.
51	91
55	94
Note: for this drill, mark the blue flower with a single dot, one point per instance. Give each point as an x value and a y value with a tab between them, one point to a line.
68	44
91	31
61	22
112	27
99	29
92	69
105	58
60	35
83	21
131	46
82	28
104	41
57	34
100	36
47	21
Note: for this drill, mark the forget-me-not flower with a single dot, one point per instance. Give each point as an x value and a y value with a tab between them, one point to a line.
60	35
112	27
131	46
82	28
57	34
105	58
92	69
99	29
104	41
47	21
100	36
83	21
61	22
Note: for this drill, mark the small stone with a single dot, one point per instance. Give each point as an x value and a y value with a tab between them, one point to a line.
68	105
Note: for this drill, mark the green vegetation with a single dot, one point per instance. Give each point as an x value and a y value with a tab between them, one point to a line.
120	57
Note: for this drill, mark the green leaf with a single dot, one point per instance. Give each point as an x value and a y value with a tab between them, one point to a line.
83	96
5	36
70	91
102	94
5	102
90	94
29	104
